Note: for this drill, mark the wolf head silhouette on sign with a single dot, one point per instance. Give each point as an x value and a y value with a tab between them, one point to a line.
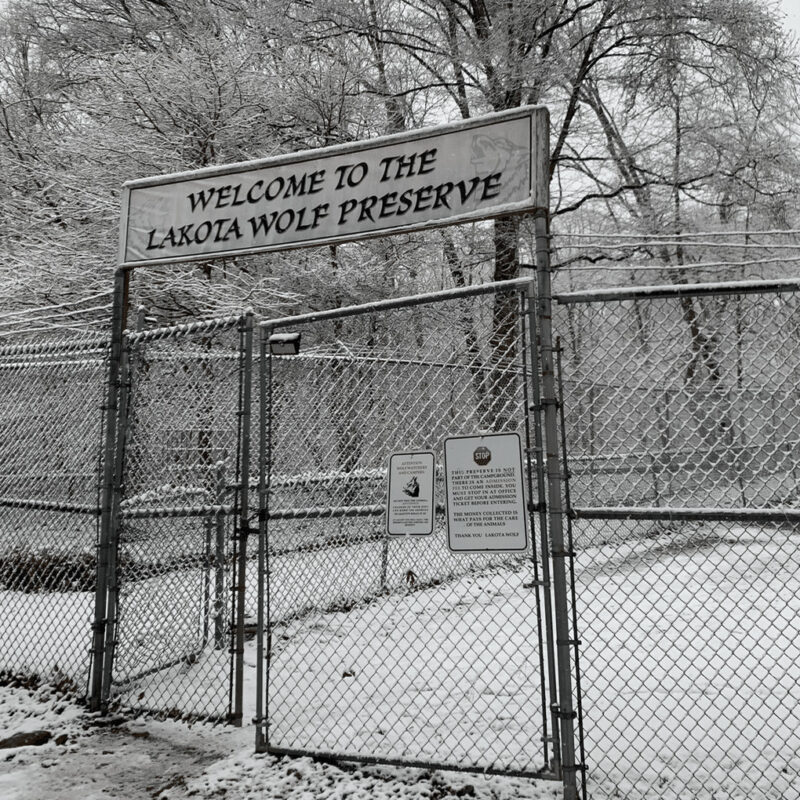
493	154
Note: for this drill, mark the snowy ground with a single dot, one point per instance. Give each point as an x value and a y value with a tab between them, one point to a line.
691	687
145	759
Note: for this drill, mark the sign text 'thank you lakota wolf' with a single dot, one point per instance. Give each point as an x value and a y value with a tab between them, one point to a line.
469	170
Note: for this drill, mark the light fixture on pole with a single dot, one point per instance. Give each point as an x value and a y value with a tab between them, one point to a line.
284	344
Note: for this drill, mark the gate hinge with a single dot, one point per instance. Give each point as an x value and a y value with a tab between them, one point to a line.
565	714
569	641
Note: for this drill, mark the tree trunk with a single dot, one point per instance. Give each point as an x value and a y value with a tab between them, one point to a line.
503	340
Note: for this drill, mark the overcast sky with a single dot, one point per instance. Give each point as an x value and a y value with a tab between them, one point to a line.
792	10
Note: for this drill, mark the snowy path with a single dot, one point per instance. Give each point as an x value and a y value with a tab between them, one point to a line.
150	760
690	670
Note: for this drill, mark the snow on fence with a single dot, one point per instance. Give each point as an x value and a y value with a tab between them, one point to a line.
681	426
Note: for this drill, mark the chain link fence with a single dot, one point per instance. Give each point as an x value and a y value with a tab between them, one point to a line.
393	648
680	433
174	558
682	419
51	395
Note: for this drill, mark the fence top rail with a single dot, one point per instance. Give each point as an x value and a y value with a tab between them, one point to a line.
185	329
400	302
677	290
96	343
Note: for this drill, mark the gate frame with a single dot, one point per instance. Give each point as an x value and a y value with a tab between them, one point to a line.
535	319
116	408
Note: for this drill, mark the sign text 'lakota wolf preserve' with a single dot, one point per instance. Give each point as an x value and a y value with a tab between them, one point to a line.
466	171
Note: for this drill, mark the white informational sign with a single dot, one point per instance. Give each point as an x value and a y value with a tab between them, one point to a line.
473	169
410	503
485	496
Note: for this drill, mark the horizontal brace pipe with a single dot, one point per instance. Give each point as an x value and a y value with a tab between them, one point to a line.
176	511
677	290
326	513
353	758
184	329
332	479
47	505
187	717
51	363
100	345
667	457
401	362
404	302
335	511
770	515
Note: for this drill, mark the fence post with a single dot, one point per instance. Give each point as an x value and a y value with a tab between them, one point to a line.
264	476
544	539
219	559
113	539
566	713
245	402
118	321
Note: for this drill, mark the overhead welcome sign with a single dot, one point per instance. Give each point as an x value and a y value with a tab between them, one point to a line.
428	178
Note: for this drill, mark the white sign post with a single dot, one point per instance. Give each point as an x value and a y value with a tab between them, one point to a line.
485	496
410	503
470	170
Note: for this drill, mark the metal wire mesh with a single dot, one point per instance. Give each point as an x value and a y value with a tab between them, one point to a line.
686	401
682	424
51	396
395	648
174	558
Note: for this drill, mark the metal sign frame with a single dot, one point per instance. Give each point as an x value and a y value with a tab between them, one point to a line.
470	170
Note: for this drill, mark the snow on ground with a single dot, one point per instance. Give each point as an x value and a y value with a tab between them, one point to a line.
691	652
690	683
93	759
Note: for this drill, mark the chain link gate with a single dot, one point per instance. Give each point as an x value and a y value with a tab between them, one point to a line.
682	428
178	508
385	649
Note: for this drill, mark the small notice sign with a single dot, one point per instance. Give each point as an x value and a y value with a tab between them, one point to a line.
410	503
485	496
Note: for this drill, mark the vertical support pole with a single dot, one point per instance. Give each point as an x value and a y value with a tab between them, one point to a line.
112	612
384	561
118	321
666	458
119	466
592	448
571	550
244	517
219	560
264	475
208	563
544	539
559	554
